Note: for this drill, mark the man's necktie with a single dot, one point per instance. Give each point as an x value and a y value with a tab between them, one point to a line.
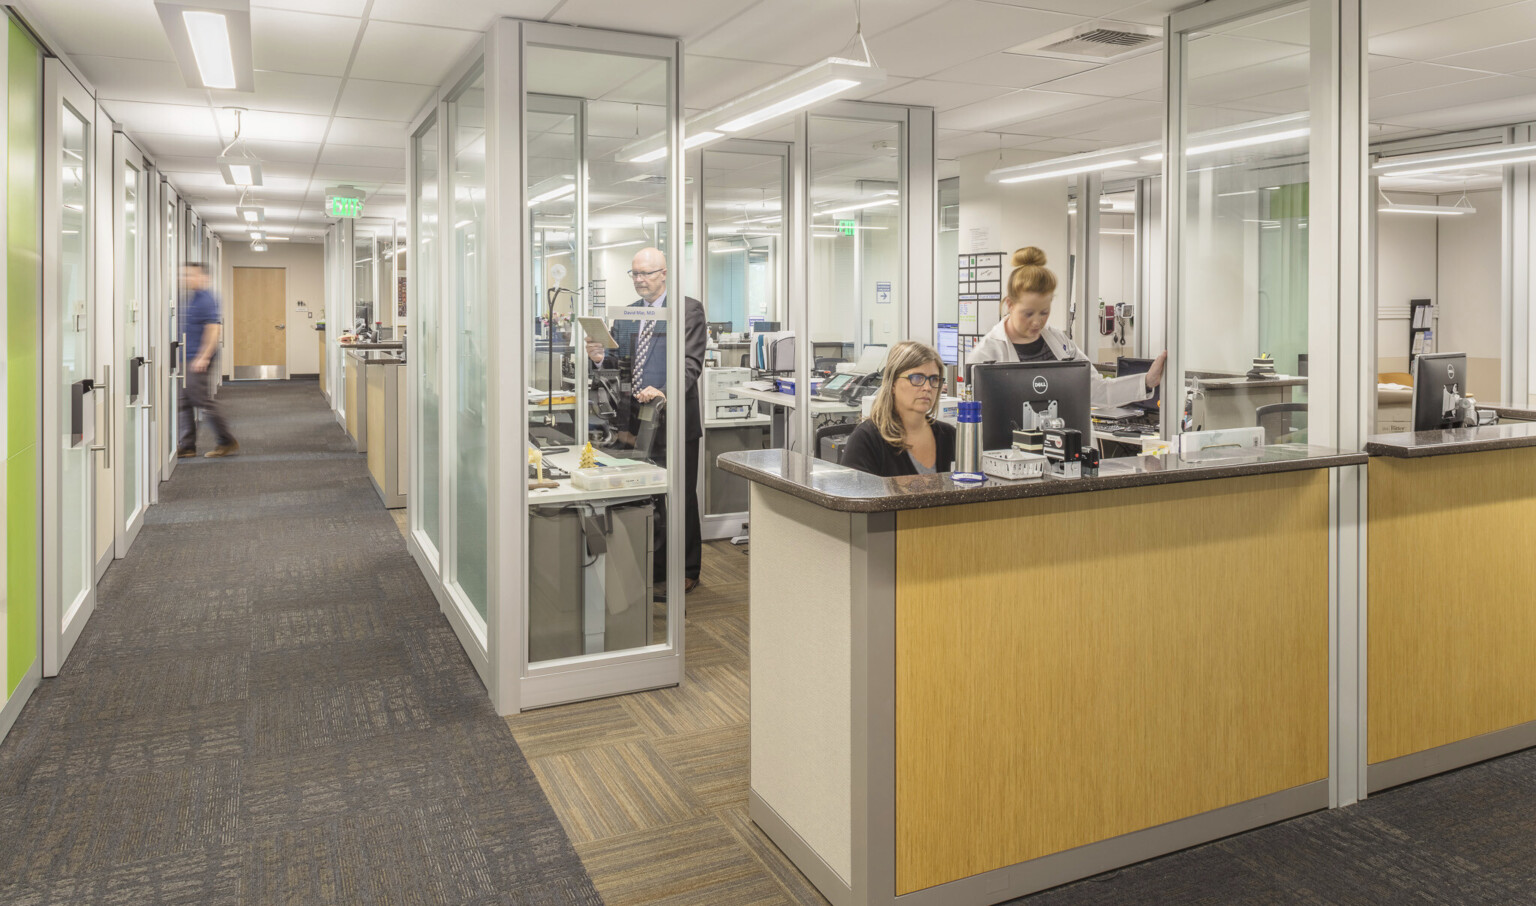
642	352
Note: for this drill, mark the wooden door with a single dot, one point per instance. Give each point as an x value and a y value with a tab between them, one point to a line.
259	324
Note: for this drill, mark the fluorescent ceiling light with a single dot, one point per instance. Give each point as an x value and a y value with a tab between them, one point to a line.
1437	161
1437	209
1117	232
241	171
1263	139
251	213
689	143
1068	170
734	248
258	235
858	207
258	246
790	104
552	194
212	42
615	245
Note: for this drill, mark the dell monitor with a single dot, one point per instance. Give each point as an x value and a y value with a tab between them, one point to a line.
761	326
1004	388
1125	366
1440	392
716	328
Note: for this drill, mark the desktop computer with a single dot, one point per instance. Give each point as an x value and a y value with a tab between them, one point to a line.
1440	397
1004	388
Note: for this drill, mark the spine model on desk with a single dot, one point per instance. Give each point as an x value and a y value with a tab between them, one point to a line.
588	458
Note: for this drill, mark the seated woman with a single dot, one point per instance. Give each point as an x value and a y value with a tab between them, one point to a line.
1023	336
901	435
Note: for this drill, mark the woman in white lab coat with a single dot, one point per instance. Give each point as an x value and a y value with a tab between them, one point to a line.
1023	336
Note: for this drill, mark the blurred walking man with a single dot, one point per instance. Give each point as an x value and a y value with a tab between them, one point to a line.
200	324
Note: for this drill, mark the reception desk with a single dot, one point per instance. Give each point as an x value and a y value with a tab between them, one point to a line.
964	694
325	387
1451	626
355	394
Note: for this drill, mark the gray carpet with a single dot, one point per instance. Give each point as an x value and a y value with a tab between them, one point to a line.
1467	838
268	708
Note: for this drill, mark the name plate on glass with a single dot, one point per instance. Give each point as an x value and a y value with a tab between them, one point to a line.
642	313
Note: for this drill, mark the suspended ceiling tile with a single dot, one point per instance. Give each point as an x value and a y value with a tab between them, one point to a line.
1294	28
963	144
1215	55
284	92
1505	58
271	126
1462	94
1010	108
800	32
302	42
471	15
1139	73
179	164
1149	13
367	99
79	27
1468	32
371	177
411	53
1104	8
1417	77
938	95
711	81
150	81
1068	145
687	19
377	133
960	30
363	156
170	119
1265	78
1387	16
1514	109
158	145
288	152
352	8
1012	70
1085	117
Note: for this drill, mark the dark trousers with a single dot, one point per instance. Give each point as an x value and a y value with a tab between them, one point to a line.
198	394
693	533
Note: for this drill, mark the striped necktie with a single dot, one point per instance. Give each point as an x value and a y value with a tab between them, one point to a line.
642	352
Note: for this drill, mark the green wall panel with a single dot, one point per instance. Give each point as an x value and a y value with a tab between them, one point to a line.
23	354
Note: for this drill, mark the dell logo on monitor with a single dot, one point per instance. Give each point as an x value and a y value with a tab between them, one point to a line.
1041	384
1450	372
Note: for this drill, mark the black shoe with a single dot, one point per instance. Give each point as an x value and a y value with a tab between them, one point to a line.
185	454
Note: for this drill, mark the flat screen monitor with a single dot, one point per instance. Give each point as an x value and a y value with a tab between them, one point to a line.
762	326
1125	366
949	344
1004	388
1439	378
716	328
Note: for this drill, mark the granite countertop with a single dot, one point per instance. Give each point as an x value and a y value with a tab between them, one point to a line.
851	491
1279	380
1505	410
1456	440
395	344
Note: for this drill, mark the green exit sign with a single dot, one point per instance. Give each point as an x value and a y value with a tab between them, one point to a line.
345	207
846	227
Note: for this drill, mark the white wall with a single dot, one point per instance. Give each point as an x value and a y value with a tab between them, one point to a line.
305	266
1002	218
1406	268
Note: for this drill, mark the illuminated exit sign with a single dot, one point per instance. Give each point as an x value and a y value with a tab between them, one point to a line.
845	227
341	206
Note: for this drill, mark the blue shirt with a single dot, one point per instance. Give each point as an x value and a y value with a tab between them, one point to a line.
197	312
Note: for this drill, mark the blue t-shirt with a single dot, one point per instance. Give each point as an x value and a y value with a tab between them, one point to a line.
200	310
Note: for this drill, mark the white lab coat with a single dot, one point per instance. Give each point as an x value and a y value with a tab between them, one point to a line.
1107	392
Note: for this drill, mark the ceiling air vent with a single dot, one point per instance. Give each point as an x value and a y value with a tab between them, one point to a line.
1102	41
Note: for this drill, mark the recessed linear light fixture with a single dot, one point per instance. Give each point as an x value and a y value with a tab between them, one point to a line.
251	213
552	194
212	42
796	91
1460	159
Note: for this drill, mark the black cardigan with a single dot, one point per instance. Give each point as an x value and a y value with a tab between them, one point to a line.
867	451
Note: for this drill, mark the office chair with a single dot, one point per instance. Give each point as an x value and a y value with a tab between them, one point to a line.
827	364
1277	420
829	431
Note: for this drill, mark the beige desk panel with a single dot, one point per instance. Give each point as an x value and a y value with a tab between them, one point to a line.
1452	617
1074	668
378	448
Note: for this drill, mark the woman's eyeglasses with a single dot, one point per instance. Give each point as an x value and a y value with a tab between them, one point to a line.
917	380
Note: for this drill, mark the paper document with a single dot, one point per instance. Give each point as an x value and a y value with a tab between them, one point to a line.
594	329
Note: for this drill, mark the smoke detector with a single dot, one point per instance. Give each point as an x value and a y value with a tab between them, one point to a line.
1099	41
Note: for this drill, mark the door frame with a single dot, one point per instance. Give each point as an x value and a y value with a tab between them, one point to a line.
255	372
126	525
63	621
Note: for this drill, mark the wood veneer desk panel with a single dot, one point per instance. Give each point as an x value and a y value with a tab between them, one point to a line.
1041	705
1452	620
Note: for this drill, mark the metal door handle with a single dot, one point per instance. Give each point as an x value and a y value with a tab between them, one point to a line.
281	326
105	386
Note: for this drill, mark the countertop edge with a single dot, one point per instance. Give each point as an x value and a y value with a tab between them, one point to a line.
1400	451
1048	488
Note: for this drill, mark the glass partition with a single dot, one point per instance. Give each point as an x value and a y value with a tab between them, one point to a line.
468	566
603	415
857	296
75	363
1243	284
364	284
426	344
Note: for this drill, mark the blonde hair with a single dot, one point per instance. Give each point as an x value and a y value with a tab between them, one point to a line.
1030	275
903	357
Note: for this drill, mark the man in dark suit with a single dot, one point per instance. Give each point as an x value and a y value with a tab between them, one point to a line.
644	343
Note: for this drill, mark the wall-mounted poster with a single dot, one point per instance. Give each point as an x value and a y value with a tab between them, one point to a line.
401	304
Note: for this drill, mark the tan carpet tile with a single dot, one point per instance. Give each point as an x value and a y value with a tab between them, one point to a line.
694	863
583	725
708	699
713	764
612	790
